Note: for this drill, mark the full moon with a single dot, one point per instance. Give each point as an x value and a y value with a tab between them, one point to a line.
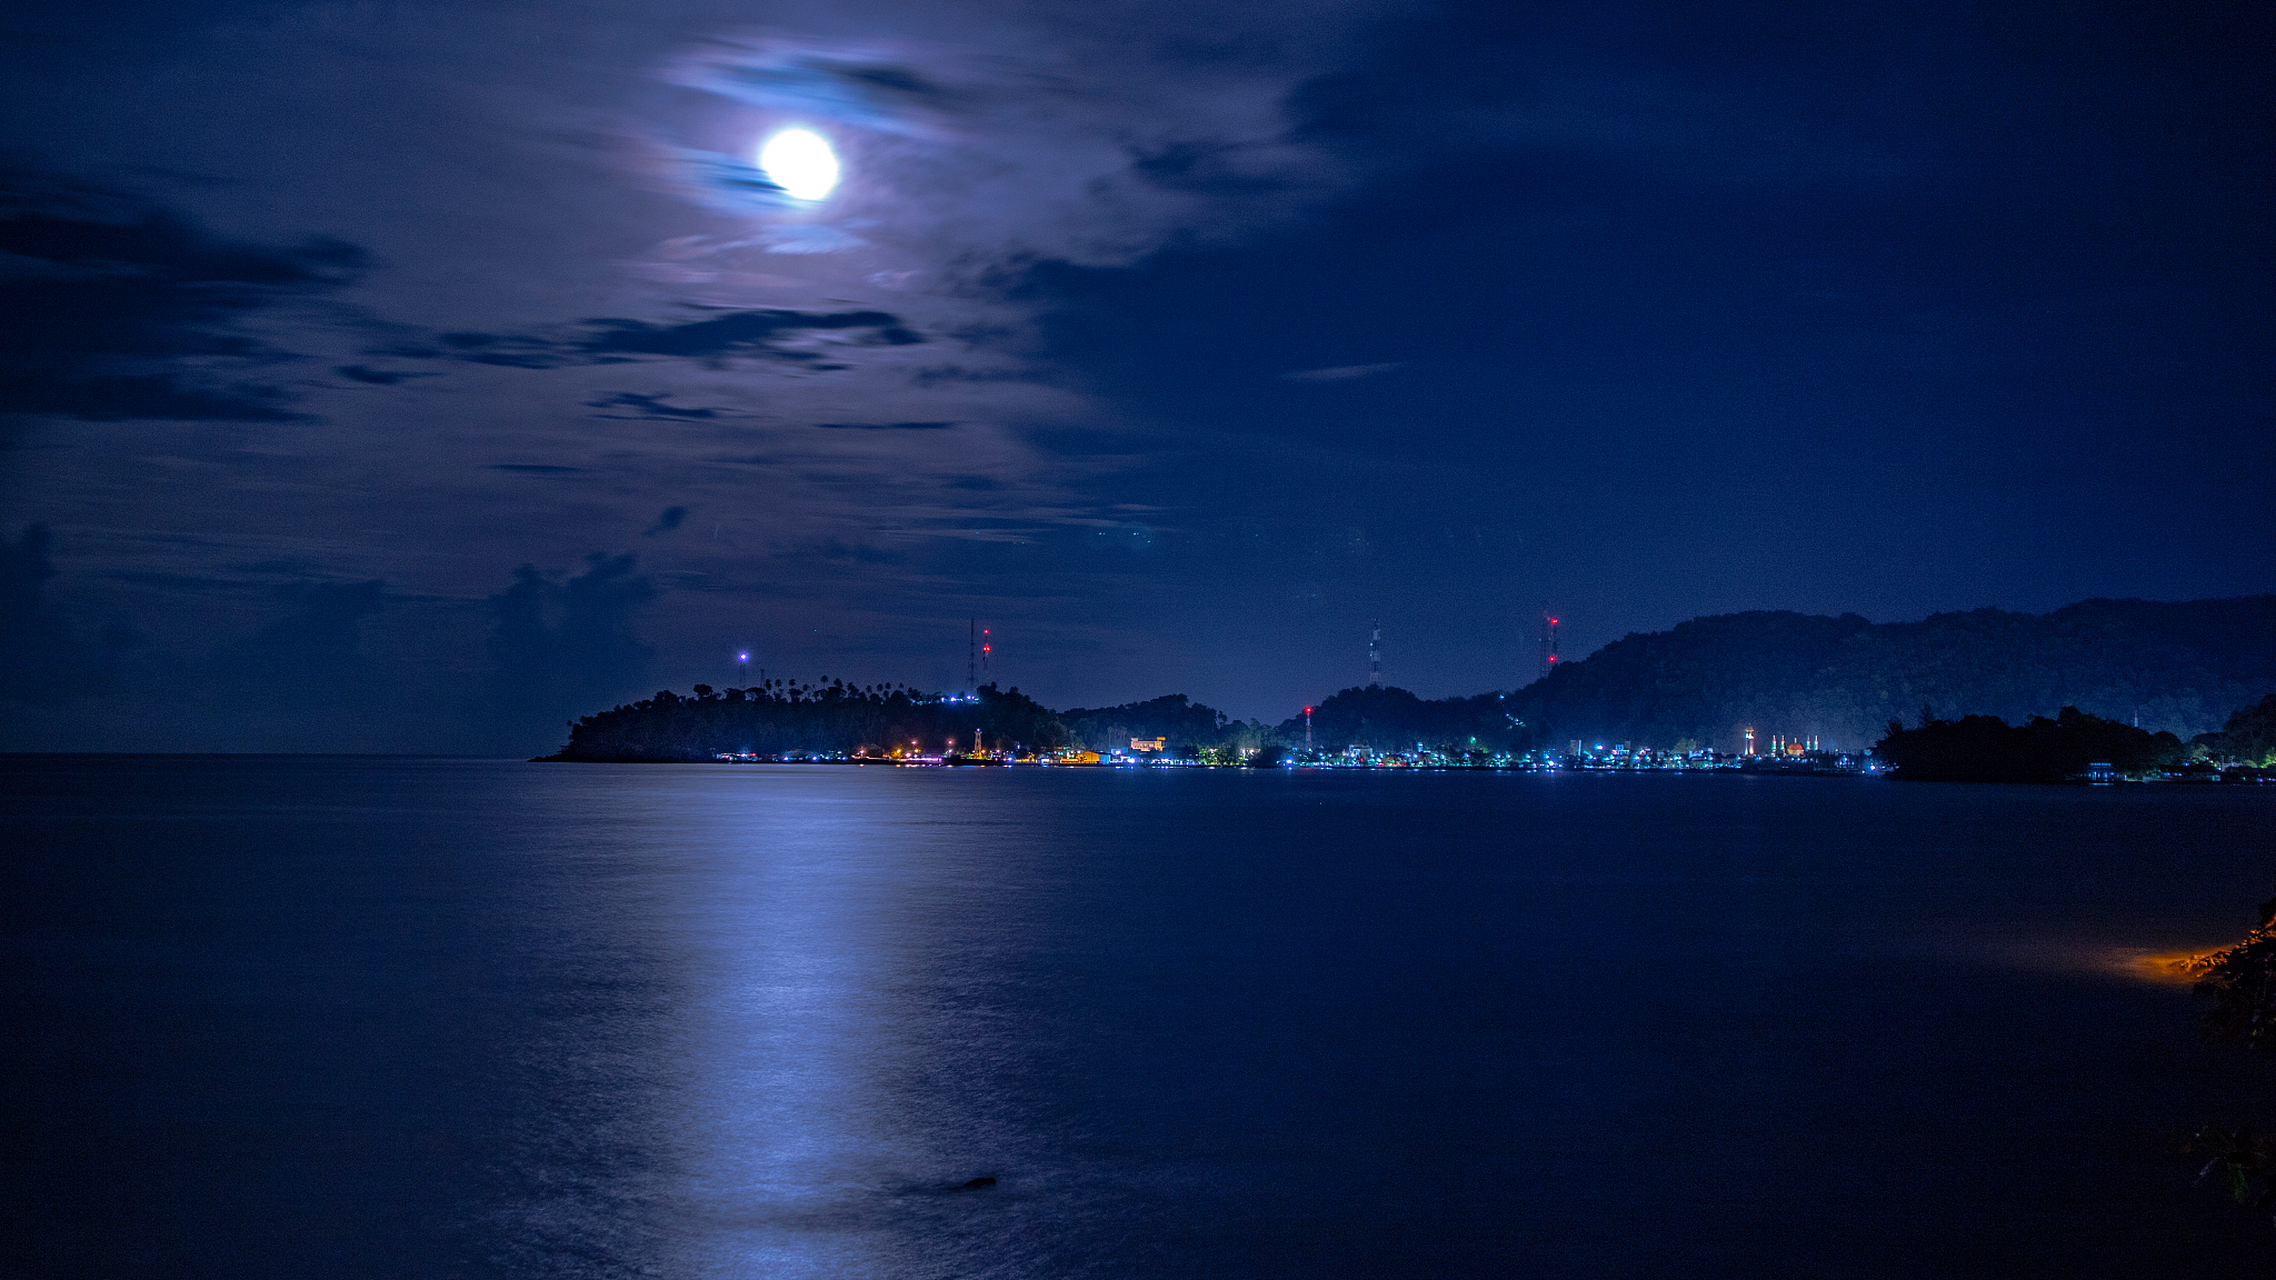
801	163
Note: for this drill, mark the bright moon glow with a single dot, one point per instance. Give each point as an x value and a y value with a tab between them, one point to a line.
801	163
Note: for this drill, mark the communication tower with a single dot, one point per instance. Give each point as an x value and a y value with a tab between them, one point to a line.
972	656
987	648
1548	644
1375	654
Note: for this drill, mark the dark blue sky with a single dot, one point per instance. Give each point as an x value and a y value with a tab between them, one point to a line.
1176	343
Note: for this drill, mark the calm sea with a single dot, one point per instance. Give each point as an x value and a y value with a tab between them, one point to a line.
296	1017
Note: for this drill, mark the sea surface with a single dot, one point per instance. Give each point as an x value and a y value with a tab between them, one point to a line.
335	1017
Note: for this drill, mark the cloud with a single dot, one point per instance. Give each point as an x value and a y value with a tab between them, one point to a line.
121	309
869	86
43	658
377	377
536	468
1086	140
649	408
885	426
1343	373
564	648
935	375
666	522
312	652
748	334
833	549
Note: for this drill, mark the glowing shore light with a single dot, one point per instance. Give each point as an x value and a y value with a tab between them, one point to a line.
801	163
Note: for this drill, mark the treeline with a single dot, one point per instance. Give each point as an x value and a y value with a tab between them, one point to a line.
2249	737
782	717
1988	749
831	716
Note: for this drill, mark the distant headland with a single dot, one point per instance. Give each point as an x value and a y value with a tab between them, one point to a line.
2157	685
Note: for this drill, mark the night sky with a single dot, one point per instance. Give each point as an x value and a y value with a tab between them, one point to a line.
410	376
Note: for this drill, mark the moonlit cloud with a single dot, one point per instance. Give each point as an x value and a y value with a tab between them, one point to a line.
956	160
867	86
1343	373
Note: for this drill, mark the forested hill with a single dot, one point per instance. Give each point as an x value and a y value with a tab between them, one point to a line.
2181	668
1181	722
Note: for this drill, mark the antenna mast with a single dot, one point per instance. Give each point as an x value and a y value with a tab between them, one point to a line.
1375	654
972	657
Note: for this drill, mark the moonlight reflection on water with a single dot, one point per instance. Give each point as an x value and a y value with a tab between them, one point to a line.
433	1017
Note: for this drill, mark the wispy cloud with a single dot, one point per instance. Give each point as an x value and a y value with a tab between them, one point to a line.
650	408
120	308
754	334
1344	372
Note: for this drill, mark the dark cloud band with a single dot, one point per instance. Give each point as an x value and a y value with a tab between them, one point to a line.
122	309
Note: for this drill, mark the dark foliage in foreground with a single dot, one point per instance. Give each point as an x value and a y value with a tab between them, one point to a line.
780	717
2241	980
2242	983
1988	749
